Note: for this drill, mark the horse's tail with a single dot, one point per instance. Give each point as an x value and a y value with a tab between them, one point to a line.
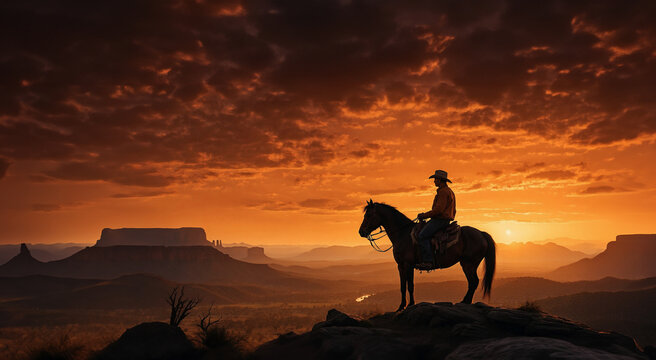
490	264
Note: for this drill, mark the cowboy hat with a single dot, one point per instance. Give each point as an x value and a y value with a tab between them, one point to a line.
440	174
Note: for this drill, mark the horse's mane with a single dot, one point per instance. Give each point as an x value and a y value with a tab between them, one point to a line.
393	209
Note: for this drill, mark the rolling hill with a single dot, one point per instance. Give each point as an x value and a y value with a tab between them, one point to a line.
337	253
125	292
630	312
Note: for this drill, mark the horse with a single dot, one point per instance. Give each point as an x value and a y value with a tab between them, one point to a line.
474	246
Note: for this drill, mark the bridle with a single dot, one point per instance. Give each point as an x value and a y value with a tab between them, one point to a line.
383	233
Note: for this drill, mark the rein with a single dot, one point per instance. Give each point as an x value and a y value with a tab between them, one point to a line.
372	239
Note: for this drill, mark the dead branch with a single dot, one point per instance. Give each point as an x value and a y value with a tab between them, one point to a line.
205	321
180	306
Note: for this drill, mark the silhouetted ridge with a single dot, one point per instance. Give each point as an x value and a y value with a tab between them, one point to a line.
629	256
199	264
23	260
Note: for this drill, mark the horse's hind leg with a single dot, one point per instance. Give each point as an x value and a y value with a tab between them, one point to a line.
472	280
402	277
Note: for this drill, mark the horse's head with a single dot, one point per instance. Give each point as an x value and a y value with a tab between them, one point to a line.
372	219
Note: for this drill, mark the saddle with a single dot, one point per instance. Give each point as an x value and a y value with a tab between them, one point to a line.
441	241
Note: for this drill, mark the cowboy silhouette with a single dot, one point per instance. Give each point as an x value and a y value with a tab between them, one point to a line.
441	214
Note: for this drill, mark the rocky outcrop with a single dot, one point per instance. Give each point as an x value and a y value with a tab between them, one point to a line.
21	262
153	341
254	254
41	252
629	257
451	331
186	236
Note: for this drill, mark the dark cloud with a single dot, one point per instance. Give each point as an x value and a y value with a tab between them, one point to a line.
321	204
276	206
626	126
329	204
122	84
552	175
478	117
46	207
399	91
50	207
447	95
315	203
600	189
89	171
4	165
318	153
137	194
360	153
526	166
397	190
554	64
475	187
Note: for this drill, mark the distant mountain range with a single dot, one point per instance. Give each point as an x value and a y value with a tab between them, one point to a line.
42	252
514	256
532	256
629	256
199	264
585	246
337	253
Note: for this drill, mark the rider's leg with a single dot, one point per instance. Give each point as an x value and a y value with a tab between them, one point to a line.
433	226
425	236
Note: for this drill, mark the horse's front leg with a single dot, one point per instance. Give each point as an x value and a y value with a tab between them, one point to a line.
410	276
402	277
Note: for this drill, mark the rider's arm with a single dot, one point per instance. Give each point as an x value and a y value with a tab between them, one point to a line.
439	204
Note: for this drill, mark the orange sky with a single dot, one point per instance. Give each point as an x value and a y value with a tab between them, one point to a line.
274	124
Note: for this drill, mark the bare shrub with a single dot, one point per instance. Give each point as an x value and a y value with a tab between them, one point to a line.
530	306
216	337
59	349
180	306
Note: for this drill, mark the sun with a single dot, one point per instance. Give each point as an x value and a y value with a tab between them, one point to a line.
508	232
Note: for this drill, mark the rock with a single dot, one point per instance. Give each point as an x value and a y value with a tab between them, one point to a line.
483	306
471	331
337	318
153	341
452	331
528	348
650	351
436	315
419	314
551	326
336	348
511	320
390	349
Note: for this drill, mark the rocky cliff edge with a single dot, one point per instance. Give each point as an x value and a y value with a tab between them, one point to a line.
452	331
